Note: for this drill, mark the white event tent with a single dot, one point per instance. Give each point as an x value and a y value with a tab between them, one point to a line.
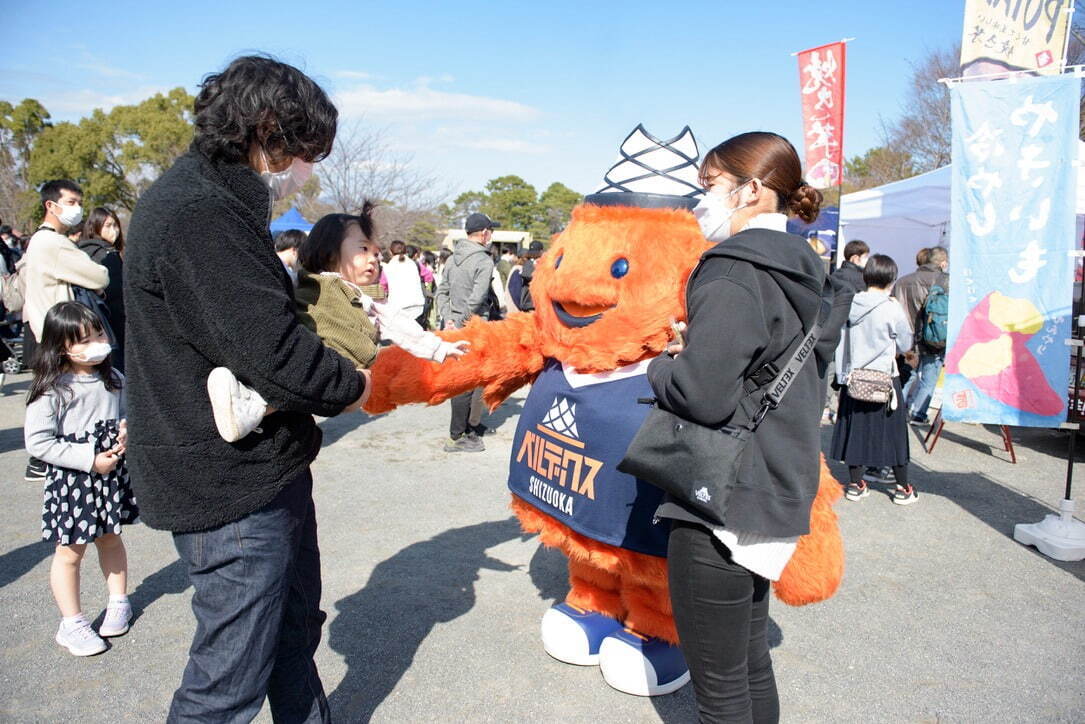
902	217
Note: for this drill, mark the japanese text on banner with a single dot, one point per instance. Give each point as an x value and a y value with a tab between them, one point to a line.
1014	36
1014	191
821	77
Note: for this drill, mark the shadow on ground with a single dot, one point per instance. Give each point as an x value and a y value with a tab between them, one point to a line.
11	439
335	428
166	580
508	409
378	629
17	563
998	506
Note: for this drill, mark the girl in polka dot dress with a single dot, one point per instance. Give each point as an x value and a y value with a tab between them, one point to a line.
75	424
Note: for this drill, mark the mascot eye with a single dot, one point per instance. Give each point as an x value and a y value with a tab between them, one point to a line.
619	268
557	262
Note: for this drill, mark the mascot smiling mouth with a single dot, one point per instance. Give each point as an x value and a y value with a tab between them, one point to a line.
576	315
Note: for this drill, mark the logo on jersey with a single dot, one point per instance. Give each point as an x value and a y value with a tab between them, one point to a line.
555	453
562	418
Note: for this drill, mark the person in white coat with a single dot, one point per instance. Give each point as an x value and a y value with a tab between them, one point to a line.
404	282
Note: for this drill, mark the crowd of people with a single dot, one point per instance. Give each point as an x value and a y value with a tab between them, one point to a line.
896	327
270	340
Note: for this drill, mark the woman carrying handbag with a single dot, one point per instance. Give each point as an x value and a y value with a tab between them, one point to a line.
871	423
750	303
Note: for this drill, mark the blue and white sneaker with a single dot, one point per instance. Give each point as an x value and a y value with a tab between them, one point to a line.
573	635
642	665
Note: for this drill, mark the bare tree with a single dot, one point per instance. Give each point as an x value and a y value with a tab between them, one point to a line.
923	133
363	166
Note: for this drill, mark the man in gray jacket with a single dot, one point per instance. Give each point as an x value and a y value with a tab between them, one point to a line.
464	293
912	291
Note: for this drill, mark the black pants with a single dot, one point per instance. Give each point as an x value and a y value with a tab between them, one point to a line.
256	598
30	346
721	610
461	410
900	472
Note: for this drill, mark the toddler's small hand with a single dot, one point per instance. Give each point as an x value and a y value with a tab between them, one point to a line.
458	349
122	433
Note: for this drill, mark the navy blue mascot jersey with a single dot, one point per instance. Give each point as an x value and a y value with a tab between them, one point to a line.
573	432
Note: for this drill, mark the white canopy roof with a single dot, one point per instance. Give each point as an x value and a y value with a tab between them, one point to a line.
902	217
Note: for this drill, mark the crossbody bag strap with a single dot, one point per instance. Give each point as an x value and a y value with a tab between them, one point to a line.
779	386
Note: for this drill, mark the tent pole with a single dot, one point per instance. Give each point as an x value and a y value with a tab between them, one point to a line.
1072	413
839	227
1069	10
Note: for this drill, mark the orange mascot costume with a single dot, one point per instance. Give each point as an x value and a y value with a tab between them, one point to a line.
607	294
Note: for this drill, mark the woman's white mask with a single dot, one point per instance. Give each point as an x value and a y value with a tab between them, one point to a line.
714	213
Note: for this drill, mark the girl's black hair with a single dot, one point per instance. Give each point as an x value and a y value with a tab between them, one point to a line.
92	227
66	323
319	252
880	271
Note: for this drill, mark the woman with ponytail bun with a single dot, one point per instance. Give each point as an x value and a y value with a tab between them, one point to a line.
805	202
754	296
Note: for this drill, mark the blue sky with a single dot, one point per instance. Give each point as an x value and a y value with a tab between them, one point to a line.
475	90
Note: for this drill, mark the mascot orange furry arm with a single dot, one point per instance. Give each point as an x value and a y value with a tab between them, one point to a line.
606	295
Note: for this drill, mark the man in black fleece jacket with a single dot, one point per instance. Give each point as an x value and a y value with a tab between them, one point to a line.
204	289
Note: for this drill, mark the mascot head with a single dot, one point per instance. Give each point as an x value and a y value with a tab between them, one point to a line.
610	287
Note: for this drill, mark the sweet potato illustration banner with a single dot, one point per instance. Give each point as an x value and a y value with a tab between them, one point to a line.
1011	275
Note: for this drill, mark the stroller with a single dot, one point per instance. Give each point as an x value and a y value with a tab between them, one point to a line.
11	350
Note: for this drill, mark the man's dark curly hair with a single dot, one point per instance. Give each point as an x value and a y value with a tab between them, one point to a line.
260	100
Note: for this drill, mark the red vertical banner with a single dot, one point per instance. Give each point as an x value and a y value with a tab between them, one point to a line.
821	76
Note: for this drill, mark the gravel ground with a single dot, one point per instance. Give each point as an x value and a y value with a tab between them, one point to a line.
434	596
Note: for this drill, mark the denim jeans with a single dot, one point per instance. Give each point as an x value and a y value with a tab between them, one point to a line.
258	617
721	611
922	385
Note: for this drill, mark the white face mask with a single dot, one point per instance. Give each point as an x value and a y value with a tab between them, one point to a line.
69	215
285	182
93	353
714	215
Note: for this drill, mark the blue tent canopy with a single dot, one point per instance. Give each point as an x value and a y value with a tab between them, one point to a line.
292	219
826	221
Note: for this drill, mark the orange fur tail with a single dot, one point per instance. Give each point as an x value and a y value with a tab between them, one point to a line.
815	570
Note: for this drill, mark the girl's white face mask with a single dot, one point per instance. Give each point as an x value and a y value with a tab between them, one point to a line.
93	353
714	213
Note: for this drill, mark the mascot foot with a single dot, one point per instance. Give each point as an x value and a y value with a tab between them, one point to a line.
642	665
573	635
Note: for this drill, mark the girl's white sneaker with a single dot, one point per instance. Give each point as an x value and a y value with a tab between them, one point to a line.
115	623
79	638
238	409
